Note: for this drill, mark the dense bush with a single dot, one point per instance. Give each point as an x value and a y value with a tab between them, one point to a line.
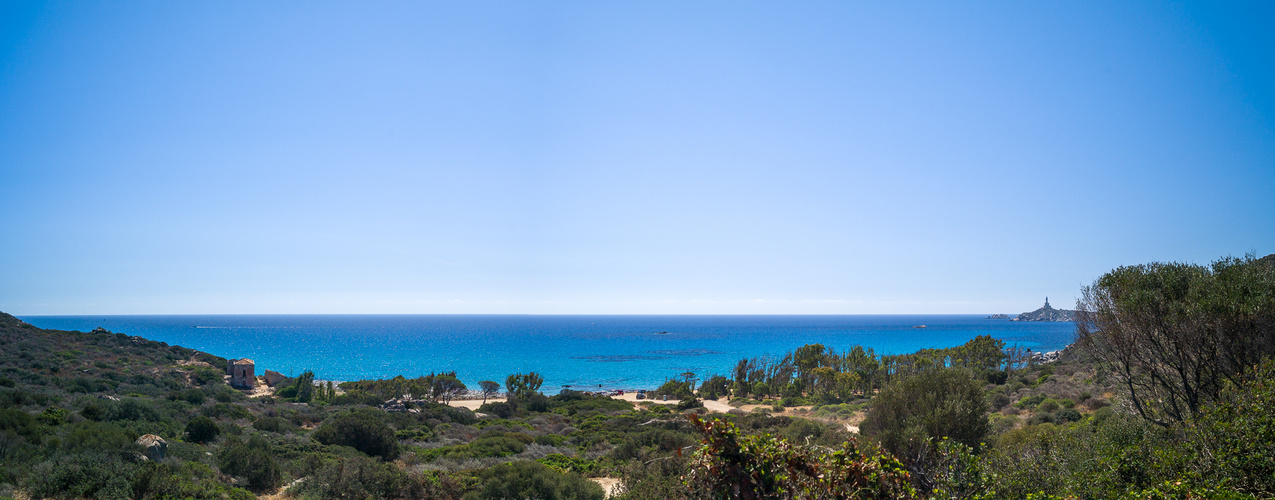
192	396
205	375
20	423
185	480
1236	436
253	461
714	387
94	475
498	408
201	430
273	424
533	480
226	410
361	430
907	414
733	465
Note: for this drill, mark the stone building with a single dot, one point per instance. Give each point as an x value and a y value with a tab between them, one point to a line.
242	373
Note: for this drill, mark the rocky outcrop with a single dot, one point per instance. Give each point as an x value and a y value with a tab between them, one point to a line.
999	316
273	378
1047	313
153	447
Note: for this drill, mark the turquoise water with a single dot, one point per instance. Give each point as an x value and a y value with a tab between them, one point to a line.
626	352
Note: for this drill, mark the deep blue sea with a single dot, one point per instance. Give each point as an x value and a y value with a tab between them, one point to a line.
614	352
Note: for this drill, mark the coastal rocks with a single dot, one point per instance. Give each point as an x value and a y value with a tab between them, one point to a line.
999	316
153	447
1047	313
1041	358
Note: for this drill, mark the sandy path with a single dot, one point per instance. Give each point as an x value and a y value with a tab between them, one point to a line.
711	405
608	484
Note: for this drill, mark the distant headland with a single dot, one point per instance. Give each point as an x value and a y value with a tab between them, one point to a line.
1046	313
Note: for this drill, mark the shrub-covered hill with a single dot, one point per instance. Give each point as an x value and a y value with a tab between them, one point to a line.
37	364
973	421
73	405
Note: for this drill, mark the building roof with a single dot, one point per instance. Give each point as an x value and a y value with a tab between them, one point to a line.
244	361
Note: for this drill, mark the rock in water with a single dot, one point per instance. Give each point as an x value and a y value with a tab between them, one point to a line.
154	447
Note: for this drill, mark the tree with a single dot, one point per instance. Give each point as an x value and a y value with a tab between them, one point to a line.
807	358
1176	334
714	387
521	386
909	413
445	387
305	387
489	388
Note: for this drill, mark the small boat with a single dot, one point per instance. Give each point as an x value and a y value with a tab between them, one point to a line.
920	326
661	333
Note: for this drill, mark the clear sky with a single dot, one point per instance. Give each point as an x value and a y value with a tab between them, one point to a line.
622	157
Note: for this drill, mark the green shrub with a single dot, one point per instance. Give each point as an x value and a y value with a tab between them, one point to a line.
907	414
714	387
1047	406
675	389
53	416
498	408
201	430
204	375
253	461
94	475
1066	415
536	402
273	424
498	445
21	424
192	396
563	463
361	430
226	410
361	477
525	479
185	480
1236	435
1030	401
99	437
733	465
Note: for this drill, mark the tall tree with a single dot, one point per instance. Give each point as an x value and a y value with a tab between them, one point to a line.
1175	334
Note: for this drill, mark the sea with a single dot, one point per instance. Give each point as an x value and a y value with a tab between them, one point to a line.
579	352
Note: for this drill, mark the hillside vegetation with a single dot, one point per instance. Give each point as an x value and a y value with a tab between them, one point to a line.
981	420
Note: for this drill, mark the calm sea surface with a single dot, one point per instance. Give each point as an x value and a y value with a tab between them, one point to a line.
626	352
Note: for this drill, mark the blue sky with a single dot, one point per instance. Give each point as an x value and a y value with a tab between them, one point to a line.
622	157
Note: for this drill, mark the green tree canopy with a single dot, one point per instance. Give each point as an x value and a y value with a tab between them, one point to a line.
908	414
1176	334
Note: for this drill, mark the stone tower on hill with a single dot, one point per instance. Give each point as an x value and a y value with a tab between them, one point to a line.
242	373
